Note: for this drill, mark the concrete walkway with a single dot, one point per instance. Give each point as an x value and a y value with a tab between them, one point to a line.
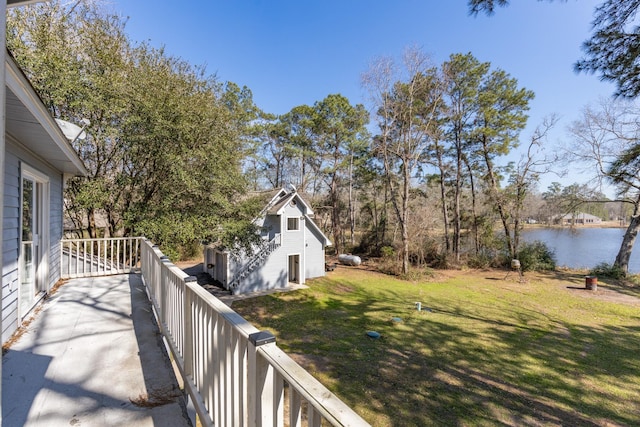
93	356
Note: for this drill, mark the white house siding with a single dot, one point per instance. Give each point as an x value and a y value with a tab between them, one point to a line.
293	242
11	227
315	261
270	226
14	156
56	225
271	275
274	272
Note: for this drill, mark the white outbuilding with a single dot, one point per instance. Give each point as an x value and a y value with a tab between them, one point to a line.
292	249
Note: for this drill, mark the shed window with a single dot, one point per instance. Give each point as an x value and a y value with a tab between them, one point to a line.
293	224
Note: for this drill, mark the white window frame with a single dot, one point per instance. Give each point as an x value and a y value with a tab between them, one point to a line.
297	223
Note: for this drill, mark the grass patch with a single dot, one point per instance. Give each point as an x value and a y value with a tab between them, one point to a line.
484	351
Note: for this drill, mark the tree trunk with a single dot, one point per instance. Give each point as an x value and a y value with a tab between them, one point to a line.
384	216
457	223
335	218
517	217
376	222
474	212
113	224
445	214
629	239
91	224
403	223
443	198
352	209
495	195
302	184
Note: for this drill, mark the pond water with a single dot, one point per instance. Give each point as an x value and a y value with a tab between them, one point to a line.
584	247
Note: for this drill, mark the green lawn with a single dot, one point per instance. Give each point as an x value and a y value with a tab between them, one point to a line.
483	352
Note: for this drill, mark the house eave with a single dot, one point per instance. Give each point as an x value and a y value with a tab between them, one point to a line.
30	123
16	3
276	207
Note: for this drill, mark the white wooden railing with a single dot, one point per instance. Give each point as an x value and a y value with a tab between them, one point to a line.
235	374
99	257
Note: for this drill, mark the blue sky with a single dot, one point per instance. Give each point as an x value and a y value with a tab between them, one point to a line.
297	52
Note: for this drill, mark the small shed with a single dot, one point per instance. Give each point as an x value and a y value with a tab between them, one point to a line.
292	249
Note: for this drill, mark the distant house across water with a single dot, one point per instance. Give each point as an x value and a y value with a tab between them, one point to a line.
579	218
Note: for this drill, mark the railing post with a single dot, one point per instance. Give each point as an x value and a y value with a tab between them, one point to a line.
233	373
187	351
261	379
164	277
295	408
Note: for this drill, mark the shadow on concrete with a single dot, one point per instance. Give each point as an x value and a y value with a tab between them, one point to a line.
160	381
88	357
19	366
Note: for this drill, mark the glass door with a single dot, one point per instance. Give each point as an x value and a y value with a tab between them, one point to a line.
28	245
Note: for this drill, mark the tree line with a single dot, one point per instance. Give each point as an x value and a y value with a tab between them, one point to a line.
174	154
436	135
165	141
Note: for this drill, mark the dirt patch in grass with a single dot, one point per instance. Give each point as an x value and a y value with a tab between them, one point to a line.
312	363
605	294
623	292
572	281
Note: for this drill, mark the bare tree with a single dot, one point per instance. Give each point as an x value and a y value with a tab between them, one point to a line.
605	140
525	174
407	100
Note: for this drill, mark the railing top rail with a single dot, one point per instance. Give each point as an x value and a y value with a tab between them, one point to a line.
71	239
244	327
325	402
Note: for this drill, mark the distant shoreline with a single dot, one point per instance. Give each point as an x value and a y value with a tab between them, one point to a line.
603	224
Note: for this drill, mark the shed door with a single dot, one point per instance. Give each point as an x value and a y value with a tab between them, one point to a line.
294	268
221	268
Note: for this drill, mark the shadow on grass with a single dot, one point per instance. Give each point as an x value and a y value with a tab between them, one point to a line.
463	363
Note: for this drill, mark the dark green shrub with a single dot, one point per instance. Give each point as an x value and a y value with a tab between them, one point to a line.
417	274
608	270
483	259
536	256
439	261
387	252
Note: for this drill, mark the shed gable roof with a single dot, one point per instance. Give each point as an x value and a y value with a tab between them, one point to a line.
311	223
282	198
287	195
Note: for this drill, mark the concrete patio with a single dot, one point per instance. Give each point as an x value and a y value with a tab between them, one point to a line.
92	356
